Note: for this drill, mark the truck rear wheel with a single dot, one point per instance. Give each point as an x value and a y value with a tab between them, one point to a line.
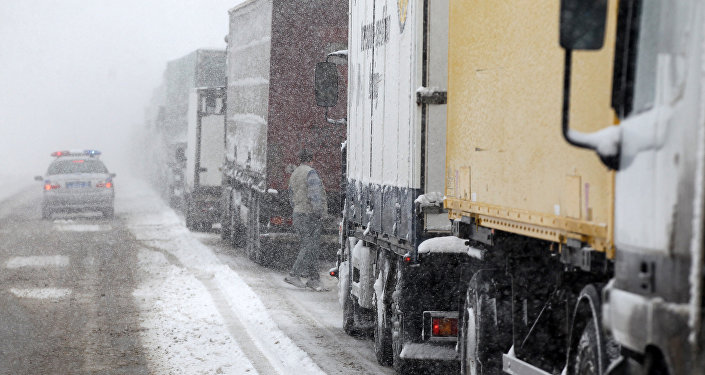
399	334
225	227
190	222
481	339
586	358
349	315
238	234
383	329
590	352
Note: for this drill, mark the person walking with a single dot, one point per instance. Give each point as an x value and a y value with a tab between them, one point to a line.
308	200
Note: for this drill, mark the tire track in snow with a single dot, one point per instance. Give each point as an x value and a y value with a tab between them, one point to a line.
236	328
355	359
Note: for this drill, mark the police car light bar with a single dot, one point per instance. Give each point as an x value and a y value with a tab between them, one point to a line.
76	153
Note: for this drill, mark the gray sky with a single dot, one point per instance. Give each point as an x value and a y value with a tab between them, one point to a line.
79	73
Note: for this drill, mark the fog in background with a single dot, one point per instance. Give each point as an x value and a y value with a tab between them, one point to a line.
79	73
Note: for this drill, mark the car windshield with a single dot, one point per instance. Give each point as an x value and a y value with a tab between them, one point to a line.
77	166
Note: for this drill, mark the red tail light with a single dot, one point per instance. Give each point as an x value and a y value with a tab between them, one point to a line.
48	187
107	185
444	327
278	220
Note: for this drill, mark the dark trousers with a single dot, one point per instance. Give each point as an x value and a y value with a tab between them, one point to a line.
308	227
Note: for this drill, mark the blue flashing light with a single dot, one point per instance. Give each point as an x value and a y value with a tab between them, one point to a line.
76	153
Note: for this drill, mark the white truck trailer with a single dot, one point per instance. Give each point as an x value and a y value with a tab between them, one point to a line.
205	154
397	74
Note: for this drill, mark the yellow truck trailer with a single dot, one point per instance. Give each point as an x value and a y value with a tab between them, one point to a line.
590	257
508	167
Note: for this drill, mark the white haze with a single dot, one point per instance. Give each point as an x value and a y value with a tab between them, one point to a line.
79	73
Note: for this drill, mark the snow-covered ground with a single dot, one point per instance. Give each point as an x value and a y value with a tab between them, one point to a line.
11	184
206	310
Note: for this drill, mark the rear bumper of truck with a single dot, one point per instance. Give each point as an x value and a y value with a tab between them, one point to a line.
430	351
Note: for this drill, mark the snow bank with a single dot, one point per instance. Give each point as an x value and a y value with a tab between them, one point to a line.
449	245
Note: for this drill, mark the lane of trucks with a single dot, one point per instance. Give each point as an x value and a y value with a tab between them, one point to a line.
514	188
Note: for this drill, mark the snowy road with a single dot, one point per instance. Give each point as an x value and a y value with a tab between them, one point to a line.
142	294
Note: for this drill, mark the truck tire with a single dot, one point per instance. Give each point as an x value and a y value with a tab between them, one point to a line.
482	341
590	351
401	366
225	227
238	234
349	303
383	329
349	315
190	223
586	354
399	333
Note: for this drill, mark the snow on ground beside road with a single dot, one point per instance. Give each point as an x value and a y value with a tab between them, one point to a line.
41	293
194	265
184	332
37	261
13	184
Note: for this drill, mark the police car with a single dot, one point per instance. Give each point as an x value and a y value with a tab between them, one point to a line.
77	180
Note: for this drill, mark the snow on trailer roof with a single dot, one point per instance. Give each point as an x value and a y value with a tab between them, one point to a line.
449	245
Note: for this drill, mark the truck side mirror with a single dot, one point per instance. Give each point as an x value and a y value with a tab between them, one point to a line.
326	84
583	24
38	178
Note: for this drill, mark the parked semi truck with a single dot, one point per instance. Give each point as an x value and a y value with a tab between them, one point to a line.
205	154
200	68
271	117
397	74
576	174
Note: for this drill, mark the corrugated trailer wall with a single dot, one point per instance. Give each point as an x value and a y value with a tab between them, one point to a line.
384	167
303	33
390	141
248	85
507	162
201	68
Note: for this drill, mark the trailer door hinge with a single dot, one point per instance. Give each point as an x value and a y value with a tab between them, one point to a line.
426	96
